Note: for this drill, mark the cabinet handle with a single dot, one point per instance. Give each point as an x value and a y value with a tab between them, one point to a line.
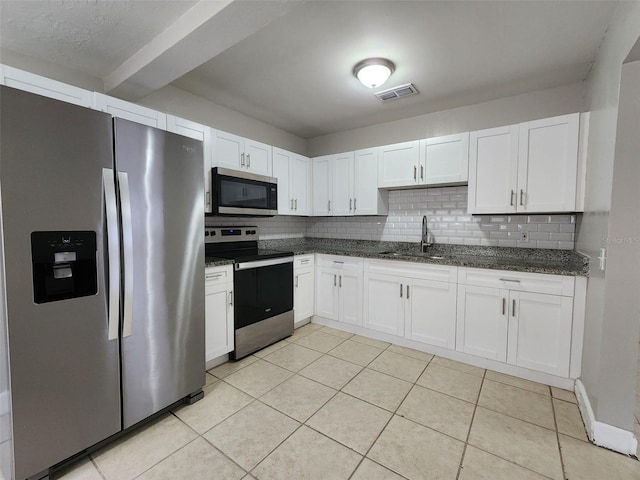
509	280
213	275
231	298
296	208
292	204
296	281
504	305
400	290
248	160
306	260
207	199
511	201
355	202
415	172
407	292
242	159
335	280
350	204
340	281
421	172
329	207
522	197
338	261
513	308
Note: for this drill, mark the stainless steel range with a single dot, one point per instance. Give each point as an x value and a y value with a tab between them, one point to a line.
263	285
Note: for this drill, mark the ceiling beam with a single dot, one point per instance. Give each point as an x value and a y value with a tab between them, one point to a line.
203	32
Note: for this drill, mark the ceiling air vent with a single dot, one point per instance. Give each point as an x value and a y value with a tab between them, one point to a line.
396	92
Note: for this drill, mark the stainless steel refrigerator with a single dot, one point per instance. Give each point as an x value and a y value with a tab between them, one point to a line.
102	277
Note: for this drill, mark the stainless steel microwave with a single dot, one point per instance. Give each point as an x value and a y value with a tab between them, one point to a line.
238	193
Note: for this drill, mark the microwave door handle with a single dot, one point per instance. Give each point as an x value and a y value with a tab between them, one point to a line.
113	244
127	248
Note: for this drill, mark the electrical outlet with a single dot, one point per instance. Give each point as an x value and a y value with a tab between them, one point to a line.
524	237
602	258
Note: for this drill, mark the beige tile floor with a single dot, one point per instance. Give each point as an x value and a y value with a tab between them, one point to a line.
328	405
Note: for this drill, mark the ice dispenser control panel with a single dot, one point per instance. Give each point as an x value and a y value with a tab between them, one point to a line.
64	265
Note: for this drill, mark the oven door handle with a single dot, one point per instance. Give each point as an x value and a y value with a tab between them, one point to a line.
263	263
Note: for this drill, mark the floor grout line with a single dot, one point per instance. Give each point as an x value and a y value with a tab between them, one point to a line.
473	416
555	422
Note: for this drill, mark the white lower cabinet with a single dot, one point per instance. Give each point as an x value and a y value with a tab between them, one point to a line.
511	320
219	335
303	287
420	309
339	289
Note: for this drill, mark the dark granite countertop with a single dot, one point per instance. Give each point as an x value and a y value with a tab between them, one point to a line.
216	262
558	262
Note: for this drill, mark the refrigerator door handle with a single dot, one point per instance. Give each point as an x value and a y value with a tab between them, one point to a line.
113	243
127	249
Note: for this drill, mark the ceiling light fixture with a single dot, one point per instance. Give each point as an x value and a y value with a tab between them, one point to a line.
373	72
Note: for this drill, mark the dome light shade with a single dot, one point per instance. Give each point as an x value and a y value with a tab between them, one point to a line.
373	72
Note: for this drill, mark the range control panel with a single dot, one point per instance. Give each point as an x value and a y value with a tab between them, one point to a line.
230	234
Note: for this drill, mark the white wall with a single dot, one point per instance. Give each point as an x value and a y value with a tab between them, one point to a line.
495	113
608	368
173	100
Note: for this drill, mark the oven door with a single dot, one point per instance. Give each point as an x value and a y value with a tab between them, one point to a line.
242	193
263	289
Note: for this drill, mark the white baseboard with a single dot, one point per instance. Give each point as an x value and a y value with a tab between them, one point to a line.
603	434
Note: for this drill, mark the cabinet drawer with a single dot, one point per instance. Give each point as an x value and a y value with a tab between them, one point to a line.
519	281
303	261
339	262
422	271
218	275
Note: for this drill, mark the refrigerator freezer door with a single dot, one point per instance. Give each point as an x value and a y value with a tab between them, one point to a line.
163	356
65	381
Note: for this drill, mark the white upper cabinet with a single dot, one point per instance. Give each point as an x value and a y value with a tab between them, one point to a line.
293	172
398	164
321	186
548	164
530	167
368	199
29	82
445	160
239	153
352	184
199	132
493	170
129	111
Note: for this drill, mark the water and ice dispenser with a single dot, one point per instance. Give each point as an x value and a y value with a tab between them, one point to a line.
64	265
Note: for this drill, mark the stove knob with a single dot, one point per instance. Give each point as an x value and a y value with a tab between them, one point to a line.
248	232
213	234
206	233
253	232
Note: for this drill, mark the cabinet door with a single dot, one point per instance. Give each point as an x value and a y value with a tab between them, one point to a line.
398	164
482	322
281	167
300	174
445	159
200	132
342	184
130	111
218	320
548	164
431	315
367	198
303	293
384	300
322	186
493	175
540	332
327	294
257	157
350	287
29	82
228	150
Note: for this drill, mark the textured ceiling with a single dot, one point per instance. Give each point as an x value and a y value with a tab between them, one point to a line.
295	71
92	37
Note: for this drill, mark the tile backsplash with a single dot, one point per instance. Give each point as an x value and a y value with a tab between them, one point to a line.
448	222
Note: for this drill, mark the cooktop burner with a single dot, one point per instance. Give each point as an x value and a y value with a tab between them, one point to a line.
237	243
